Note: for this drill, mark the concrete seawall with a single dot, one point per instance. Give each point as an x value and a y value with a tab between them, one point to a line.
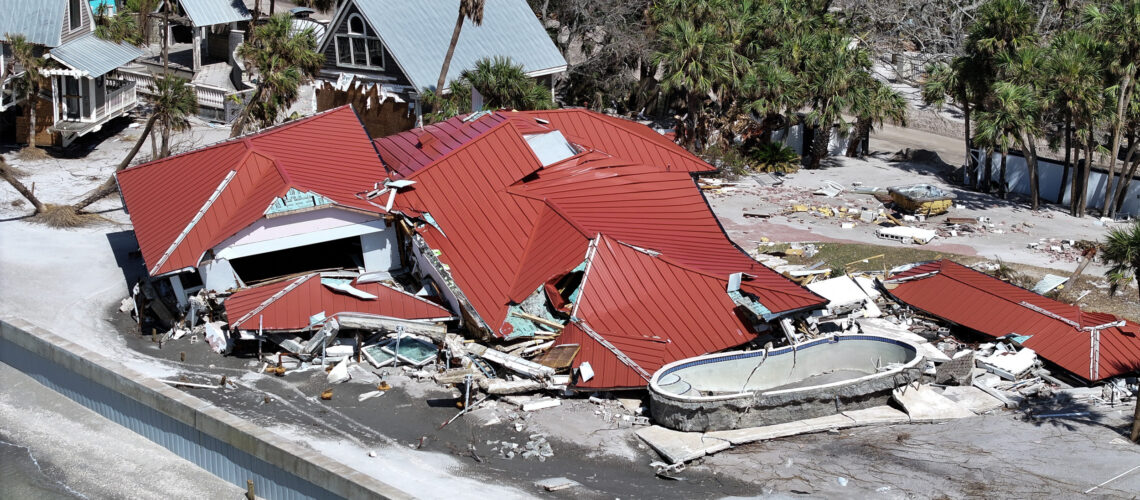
196	430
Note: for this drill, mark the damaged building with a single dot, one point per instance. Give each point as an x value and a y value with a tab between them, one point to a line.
583	234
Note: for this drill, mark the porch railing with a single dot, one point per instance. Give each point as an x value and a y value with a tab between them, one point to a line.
118	99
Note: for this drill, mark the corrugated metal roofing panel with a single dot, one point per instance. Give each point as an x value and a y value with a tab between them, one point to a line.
40	21
211	12
988	305
95	55
417	33
291	311
653	311
163	197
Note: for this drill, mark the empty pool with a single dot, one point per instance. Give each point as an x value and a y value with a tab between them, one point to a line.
748	389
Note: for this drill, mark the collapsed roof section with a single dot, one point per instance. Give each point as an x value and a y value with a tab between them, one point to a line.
1058	332
288	305
503	224
183	205
638	311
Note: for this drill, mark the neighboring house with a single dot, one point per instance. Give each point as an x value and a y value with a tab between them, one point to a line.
279	202
203	36
401	44
85	90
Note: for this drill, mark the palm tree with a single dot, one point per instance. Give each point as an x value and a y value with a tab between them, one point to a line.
1118	26
953	81
1075	92
282	63
696	61
1122	249
997	126
24	54
121	27
322	6
832	72
468	9
873	102
505	85
173	101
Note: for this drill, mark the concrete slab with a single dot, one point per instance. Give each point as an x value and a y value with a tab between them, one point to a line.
878	415
676	446
974	399
925	405
751	434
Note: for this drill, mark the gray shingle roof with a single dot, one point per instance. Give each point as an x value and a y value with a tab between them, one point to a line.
94	55
211	12
417	33
40	21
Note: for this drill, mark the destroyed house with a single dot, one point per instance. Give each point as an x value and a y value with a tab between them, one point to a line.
283	201
1091	346
570	222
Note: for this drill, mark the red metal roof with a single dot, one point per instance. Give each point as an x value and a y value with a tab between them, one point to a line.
185	204
653	310
988	305
407	152
506	224
288	304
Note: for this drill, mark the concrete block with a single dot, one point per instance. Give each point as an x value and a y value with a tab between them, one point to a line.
878	415
677	446
925	405
751	434
976	400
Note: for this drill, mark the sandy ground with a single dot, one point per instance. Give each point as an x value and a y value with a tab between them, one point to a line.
53	447
72	281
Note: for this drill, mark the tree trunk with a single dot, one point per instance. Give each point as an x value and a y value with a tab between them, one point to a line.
6	174
819	144
110	185
1114	150
1124	179
450	52
862	129
1136	414
243	117
969	140
1001	172
1068	163
166	39
1085	170
153	147
164	150
33	100
1029	144
272	6
988	175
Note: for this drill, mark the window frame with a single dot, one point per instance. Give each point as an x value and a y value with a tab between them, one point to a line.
351	38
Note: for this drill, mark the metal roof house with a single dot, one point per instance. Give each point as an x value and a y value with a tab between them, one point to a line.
86	89
202	38
528	220
401	44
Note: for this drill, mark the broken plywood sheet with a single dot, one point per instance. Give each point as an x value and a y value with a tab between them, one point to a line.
877	415
973	398
678	447
925	405
559	357
750	434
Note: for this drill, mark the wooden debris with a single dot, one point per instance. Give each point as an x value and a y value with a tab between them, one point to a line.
559	357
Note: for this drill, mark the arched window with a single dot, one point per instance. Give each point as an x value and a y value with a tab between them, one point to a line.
357	48
355	24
